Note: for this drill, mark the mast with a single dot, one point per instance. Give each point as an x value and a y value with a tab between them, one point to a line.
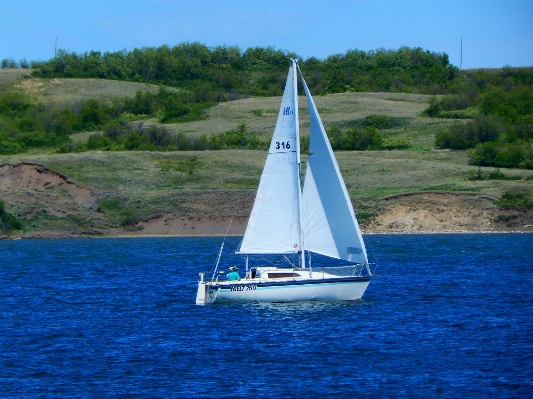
299	161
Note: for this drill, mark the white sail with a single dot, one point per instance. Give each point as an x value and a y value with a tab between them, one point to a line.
329	224
274	224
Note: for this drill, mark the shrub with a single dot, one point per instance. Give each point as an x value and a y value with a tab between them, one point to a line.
515	201
459	137
13	104
92	114
502	155
496	174
355	139
238	138
8	222
70	146
9	147
378	121
467	113
395	143
133	140
446	103
24	125
466	135
508	105
483	155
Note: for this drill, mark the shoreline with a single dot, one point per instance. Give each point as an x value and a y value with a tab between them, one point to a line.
134	236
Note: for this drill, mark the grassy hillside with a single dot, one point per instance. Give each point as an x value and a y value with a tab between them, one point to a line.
65	92
258	113
131	186
10	77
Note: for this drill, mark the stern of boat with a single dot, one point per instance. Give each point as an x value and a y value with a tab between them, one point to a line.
201	294
206	294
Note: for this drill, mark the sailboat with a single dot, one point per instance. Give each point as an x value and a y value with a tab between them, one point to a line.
288	220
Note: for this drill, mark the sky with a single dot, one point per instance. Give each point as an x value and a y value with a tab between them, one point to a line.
494	33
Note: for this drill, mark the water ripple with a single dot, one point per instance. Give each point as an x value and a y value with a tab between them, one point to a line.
449	316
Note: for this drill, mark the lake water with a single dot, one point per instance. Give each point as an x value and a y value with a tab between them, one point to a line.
450	316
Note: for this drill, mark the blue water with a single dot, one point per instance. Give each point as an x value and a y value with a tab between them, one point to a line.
449	316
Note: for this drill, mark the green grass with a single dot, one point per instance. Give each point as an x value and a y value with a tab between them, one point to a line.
74	224
496	174
468	113
119	210
11	77
450	187
69	91
344	109
188	166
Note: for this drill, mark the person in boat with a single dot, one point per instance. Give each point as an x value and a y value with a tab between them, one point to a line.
233	275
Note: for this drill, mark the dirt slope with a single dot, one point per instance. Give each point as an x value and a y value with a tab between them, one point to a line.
34	185
435	211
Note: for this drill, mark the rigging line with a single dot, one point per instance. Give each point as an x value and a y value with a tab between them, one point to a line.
215	267
289	261
265	260
374	255
218	259
239	245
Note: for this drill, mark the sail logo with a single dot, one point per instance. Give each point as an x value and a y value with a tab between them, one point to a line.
287	111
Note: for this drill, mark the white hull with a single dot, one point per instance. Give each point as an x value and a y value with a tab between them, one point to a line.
330	288
337	291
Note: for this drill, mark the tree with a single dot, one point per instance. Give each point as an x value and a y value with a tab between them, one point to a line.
92	114
336	80
24	64
466	135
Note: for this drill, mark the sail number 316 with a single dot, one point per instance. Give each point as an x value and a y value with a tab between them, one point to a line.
282	145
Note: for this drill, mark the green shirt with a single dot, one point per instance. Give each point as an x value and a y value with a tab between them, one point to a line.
233	276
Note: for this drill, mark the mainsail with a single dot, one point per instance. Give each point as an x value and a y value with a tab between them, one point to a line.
274	224
329	224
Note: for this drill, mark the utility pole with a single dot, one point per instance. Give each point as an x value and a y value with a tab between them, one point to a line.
55	49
